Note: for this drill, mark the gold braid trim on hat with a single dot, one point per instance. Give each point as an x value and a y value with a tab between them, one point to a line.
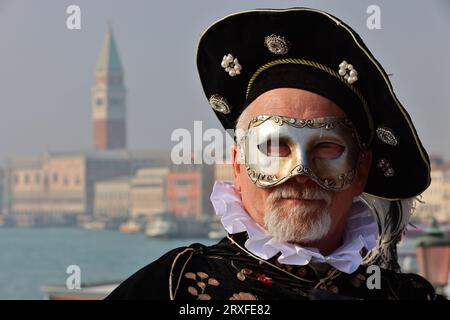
323	68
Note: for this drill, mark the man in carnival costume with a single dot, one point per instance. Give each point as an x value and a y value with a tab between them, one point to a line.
327	165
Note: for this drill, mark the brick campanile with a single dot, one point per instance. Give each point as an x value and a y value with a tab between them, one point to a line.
109	98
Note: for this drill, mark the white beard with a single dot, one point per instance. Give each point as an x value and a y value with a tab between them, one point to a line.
300	223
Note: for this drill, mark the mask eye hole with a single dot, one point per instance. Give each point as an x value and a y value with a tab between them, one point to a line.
272	149
327	150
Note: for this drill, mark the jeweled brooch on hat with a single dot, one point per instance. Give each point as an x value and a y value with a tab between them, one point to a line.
387	135
347	71
219	104
277	44
231	65
385	166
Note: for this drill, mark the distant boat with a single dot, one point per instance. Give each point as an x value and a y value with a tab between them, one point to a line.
159	228
130	227
94	225
86	292
217	234
217	231
171	226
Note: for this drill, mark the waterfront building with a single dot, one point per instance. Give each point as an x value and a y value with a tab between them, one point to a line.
2	190
112	199
188	190
148	192
64	183
436	199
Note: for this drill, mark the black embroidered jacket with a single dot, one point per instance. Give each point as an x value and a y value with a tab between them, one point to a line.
227	271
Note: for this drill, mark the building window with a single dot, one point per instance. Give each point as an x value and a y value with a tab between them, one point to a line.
182	199
77	180
183	182
66	181
26	178
37	178
16	179
55	177
99	101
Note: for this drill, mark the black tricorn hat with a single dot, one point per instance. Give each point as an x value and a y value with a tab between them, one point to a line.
245	54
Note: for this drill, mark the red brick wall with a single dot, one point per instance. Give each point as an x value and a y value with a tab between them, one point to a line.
185	185
109	134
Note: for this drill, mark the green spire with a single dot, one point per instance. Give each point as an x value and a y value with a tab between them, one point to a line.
109	57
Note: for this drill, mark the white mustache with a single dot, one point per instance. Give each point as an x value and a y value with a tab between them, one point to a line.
306	193
302	222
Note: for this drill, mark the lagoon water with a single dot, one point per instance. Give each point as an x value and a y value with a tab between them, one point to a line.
31	258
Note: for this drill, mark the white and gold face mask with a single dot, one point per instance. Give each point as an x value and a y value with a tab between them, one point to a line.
276	148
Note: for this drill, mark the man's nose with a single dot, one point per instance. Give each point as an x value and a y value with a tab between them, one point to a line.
301	179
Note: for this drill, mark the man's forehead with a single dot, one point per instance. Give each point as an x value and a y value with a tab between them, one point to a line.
295	103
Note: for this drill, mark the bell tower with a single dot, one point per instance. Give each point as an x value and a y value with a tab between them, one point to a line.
109	98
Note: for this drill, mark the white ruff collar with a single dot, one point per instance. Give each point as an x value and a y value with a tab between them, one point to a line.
361	231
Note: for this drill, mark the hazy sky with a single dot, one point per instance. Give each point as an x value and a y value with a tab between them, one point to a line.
46	70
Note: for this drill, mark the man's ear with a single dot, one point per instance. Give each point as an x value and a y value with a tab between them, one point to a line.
364	163
235	161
